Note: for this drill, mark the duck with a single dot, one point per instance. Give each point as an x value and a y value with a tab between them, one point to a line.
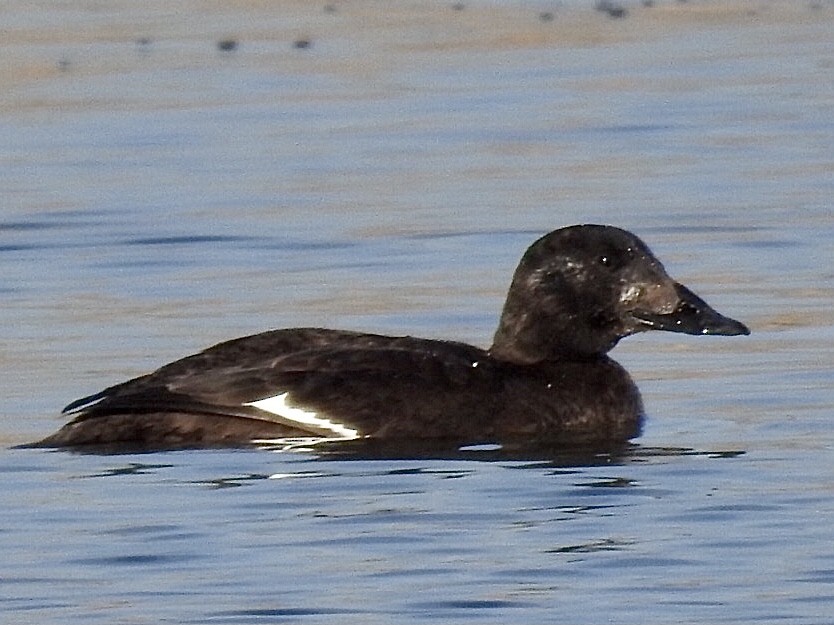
546	378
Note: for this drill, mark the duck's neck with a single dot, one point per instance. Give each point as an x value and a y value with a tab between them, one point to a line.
517	346
525	338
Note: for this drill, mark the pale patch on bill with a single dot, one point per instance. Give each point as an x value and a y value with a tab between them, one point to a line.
306	419
630	293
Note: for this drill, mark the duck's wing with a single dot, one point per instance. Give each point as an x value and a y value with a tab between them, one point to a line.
301	383
222	366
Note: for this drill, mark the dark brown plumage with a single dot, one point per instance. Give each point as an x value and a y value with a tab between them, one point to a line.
576	292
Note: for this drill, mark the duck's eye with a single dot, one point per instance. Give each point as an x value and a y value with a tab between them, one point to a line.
606	260
614	260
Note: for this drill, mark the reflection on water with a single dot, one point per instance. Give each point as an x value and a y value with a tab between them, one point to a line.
368	449
421	538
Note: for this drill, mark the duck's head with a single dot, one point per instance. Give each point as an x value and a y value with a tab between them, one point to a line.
578	290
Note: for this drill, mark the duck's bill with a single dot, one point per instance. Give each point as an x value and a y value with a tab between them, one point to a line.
691	315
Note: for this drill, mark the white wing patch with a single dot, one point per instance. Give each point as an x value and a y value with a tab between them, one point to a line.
277	405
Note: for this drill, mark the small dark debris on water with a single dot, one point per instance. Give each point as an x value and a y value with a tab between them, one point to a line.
458	6
64	64
301	44
143	45
329	8
613	9
227	45
648	3
546	16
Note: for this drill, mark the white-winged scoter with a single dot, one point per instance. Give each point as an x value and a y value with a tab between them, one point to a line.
546	379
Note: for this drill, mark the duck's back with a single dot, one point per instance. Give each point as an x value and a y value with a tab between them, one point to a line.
334	384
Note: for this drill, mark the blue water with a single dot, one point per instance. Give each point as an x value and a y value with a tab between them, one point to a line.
239	537
160	197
